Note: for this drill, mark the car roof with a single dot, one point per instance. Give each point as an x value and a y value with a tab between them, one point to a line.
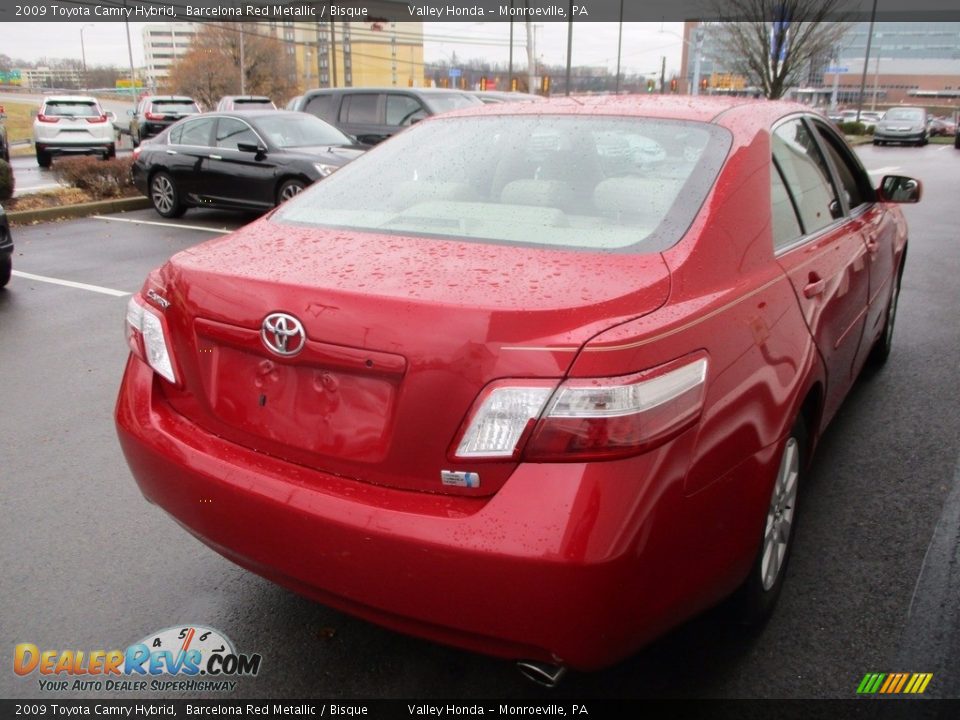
409	90
179	98
745	117
257	113
677	107
245	97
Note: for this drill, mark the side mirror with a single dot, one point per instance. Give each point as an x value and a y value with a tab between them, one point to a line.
260	150
900	189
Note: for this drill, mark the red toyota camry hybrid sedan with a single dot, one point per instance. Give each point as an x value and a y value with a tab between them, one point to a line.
536	380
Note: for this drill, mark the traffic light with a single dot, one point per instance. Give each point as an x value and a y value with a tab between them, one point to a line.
483	83
673	85
545	85
514	84
650	85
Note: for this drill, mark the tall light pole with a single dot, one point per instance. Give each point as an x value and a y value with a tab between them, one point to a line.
83	53
866	59
876	72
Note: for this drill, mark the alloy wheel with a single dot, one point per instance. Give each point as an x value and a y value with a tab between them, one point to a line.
162	194
776	536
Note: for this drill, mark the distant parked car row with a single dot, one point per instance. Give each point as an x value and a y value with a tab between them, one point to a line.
243	156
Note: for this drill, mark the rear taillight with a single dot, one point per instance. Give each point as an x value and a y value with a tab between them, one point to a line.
147	339
47	118
585	418
98	119
153	116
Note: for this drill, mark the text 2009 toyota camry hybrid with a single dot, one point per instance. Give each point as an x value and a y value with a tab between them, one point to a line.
539	381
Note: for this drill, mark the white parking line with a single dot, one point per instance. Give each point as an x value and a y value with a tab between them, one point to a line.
108	218
883	170
70	283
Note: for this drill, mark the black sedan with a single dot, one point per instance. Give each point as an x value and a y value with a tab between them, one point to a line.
6	250
251	160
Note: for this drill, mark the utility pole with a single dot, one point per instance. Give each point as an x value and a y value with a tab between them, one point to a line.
333	53
243	79
510	66
663	74
697	55
569	45
616	89
866	59
531	57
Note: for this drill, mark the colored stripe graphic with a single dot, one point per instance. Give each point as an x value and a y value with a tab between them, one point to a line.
894	683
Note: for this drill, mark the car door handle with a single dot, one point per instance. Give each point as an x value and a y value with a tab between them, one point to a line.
216	157
814	287
171	152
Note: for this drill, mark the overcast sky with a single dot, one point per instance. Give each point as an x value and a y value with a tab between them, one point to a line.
594	43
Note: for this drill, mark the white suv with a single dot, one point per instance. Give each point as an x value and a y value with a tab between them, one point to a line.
72	125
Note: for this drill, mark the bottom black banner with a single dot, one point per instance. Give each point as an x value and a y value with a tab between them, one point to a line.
926	709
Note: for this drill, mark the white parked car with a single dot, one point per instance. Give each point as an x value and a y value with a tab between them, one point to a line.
72	125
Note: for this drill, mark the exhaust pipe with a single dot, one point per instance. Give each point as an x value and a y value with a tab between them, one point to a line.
542	673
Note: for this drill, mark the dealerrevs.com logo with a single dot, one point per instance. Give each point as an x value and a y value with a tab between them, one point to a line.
198	658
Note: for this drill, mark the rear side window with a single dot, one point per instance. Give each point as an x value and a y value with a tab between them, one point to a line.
786	227
359	108
806	175
197	132
319	105
174	107
57	108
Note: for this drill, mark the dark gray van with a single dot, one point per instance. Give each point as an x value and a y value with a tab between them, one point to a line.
374	114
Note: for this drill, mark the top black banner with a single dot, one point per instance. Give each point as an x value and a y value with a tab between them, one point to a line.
370	11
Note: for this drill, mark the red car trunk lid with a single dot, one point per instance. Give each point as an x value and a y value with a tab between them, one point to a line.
402	334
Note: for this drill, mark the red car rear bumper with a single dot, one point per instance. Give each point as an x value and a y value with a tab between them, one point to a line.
567	563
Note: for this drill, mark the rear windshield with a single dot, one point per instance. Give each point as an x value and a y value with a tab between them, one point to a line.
179	107
592	183
63	108
264	102
913	114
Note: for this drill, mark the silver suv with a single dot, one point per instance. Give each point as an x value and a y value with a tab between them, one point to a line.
72	125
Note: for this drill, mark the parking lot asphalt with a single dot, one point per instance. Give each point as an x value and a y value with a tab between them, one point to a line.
87	563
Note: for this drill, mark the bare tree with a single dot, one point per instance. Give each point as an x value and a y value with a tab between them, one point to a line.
210	69
773	42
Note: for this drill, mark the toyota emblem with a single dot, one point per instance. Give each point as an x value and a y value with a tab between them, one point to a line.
283	334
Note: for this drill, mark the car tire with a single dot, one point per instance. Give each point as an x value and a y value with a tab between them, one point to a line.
165	196
111	151
883	346
43	159
876	142
956	141
289	188
757	596
6	269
